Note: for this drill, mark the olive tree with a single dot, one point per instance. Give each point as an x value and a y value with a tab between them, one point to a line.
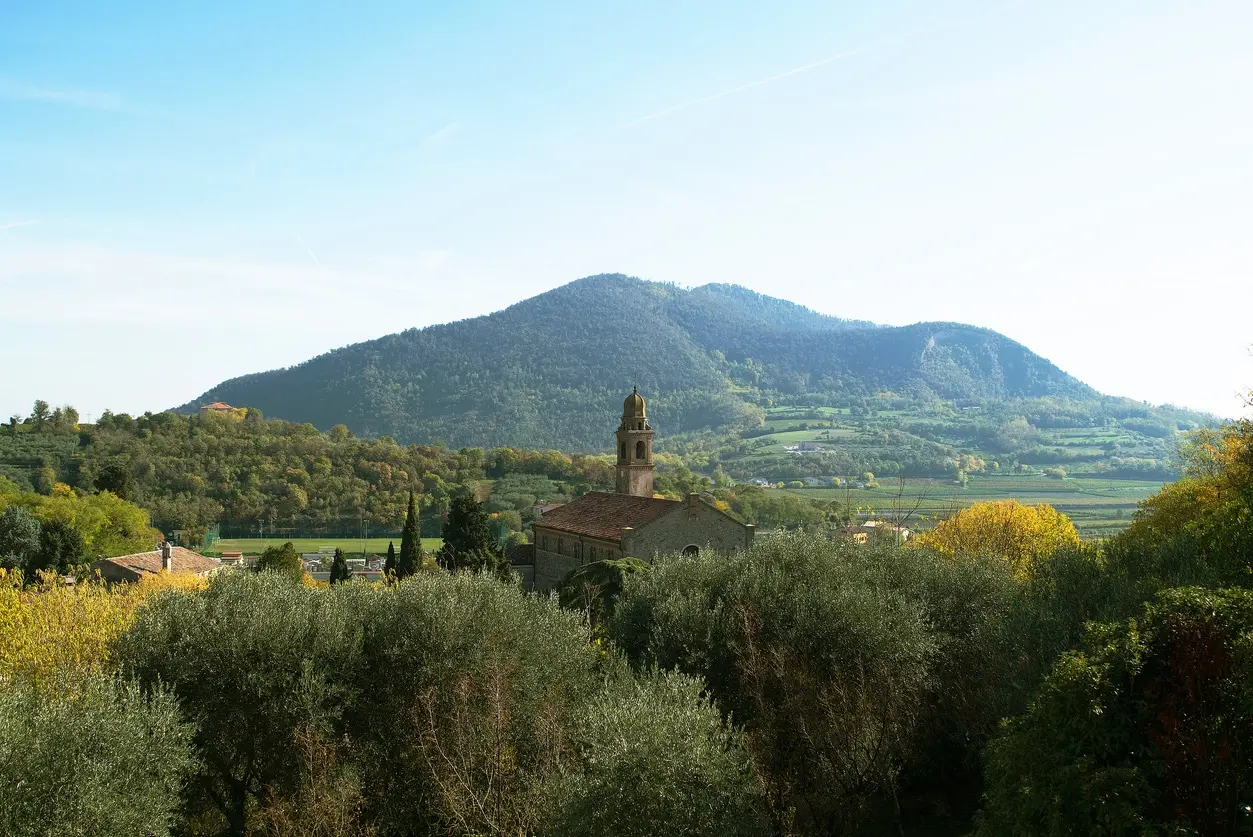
96	758
255	661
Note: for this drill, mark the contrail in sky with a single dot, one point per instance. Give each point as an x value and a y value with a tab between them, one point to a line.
741	88
17	224
307	250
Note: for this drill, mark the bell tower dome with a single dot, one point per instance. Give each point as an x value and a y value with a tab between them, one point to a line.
635	448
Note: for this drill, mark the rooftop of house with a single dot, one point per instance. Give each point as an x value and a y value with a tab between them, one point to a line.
182	560
604	516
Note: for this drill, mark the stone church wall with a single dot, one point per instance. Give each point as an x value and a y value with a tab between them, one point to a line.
551	568
694	524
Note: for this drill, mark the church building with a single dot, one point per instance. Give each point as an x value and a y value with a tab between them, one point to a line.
630	522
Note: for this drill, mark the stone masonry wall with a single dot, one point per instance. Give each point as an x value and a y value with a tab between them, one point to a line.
551	568
693	524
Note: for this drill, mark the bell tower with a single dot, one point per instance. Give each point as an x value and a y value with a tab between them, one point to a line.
635	448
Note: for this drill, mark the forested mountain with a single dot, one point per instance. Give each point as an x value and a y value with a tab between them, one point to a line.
546	371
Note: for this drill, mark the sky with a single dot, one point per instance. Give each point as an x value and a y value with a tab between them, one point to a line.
191	192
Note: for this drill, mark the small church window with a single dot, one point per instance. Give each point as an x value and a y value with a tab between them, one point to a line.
639	450
623	454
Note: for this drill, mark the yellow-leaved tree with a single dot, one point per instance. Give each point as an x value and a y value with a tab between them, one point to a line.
52	630
1006	529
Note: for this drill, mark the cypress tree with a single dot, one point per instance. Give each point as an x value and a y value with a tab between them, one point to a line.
389	566
410	558
339	568
468	541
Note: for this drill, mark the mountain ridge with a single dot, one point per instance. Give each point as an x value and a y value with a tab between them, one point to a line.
543	372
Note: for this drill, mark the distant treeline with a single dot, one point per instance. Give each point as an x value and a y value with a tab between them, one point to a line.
192	472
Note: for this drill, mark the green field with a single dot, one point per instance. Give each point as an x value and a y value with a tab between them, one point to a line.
1099	507
351	546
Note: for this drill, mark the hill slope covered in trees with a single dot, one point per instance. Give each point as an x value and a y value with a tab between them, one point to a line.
540	373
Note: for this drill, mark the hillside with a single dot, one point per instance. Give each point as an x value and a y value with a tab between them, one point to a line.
547	371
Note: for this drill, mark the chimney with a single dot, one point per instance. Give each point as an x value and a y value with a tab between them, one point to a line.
167	557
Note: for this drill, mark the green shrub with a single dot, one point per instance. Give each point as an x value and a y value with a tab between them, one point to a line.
655	759
283	560
472	688
834	658
98	759
254	660
1146	730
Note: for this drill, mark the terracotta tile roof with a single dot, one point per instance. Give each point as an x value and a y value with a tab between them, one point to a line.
218	405
602	515
184	560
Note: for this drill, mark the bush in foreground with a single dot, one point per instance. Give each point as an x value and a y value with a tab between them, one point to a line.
655	759
1147	730
852	669
447	704
96	759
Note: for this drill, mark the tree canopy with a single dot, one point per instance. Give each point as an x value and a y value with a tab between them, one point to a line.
283	560
1021	535
1144	730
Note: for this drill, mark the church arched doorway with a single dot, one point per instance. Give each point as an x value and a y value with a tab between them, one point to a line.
691	550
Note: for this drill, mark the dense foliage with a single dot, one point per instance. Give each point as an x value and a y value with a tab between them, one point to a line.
445	704
50	631
101	760
1148	729
256	476
62	529
856	672
281	559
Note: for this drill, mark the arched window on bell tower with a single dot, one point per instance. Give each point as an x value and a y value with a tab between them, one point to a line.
622	455
639	449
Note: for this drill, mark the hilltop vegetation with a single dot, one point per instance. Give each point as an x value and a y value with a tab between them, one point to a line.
547	372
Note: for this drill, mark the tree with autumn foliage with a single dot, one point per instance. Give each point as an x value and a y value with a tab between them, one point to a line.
1006	529
49	630
1198	530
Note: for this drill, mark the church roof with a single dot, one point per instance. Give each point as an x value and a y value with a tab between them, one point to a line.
604	516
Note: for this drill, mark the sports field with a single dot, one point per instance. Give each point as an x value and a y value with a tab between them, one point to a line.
351	546
1099	507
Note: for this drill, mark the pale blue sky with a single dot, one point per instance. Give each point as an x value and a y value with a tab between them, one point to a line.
190	192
